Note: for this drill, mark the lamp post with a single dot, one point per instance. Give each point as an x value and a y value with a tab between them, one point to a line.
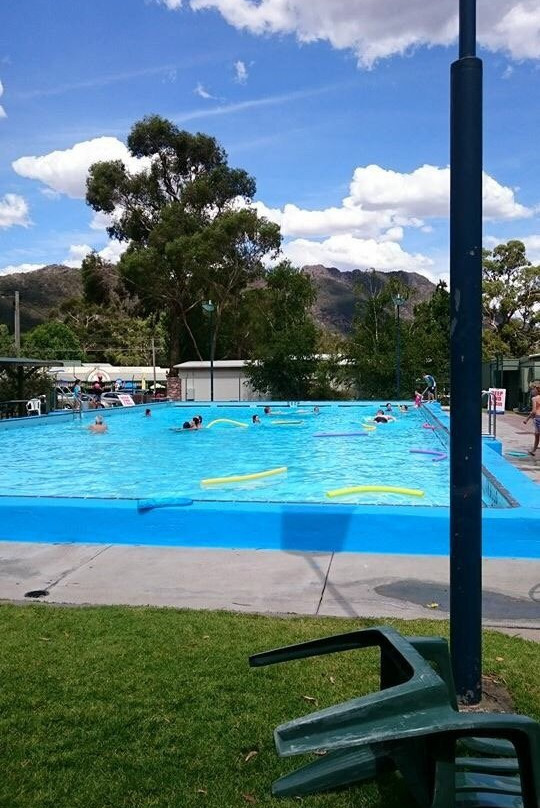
398	300
209	308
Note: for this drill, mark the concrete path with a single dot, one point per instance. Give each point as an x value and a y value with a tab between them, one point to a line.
340	584
517	437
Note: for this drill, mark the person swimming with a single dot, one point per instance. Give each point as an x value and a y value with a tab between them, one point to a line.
98	425
382	418
197	422
267	410
255	419
188	425
316	410
147	412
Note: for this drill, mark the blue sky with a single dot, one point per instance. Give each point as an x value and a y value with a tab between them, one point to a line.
339	110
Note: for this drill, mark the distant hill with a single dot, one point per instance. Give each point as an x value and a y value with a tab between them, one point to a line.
335	305
46	289
40	291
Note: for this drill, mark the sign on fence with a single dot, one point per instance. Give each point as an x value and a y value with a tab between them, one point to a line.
497	396
126	400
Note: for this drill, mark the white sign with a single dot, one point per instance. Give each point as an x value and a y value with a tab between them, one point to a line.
126	400
497	397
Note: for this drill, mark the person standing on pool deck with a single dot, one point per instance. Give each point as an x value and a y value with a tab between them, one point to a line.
535	413
431	388
76	390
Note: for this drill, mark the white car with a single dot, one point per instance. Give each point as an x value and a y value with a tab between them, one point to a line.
110	399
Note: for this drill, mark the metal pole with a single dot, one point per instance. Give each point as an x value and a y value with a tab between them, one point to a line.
211	356
17	324
466	352
154	364
398	357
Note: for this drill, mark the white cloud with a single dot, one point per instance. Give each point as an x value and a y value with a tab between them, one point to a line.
382	202
11	269
241	73
532	244
78	252
101	221
347	252
66	171
113	250
372	32
202	93
13	211
3	113
425	193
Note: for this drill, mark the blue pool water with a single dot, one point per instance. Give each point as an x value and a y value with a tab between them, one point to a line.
143	457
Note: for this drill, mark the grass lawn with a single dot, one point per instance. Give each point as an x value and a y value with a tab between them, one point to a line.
141	708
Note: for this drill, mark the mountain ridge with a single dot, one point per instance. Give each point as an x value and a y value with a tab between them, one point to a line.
43	290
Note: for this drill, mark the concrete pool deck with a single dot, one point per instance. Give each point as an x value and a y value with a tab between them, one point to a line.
517	437
276	582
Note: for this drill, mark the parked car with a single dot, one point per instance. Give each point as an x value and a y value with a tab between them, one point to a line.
65	399
110	399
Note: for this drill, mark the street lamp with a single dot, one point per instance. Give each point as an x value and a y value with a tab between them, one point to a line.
209	309
398	301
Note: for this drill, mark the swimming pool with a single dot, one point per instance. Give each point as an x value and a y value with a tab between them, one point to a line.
63	483
145	457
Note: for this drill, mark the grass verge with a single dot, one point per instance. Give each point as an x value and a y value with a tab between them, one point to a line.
155	708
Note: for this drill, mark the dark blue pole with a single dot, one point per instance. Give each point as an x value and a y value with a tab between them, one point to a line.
398	357
212	355
465	365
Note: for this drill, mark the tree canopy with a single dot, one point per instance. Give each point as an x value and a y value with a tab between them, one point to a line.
285	338
52	340
191	233
511	301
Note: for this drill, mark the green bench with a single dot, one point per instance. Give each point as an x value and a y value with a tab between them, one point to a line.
412	725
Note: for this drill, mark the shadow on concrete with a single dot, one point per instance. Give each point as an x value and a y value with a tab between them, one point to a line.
495	606
310	534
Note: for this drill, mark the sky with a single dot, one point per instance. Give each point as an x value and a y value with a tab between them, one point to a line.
340	110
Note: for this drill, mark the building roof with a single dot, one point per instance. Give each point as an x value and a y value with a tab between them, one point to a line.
26	362
89	371
218	364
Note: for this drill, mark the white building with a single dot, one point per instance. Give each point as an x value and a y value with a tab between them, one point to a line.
230	381
89	372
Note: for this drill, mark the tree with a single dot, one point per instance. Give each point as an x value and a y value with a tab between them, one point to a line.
372	348
52	340
285	338
427	348
102	282
189	238
511	298
7	345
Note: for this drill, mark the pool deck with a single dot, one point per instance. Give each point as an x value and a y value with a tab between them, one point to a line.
271	581
516	436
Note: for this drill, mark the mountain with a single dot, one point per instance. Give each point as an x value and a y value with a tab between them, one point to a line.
44	290
40	292
334	308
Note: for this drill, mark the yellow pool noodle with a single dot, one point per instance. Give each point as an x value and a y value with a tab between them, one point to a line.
361	489
239	478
